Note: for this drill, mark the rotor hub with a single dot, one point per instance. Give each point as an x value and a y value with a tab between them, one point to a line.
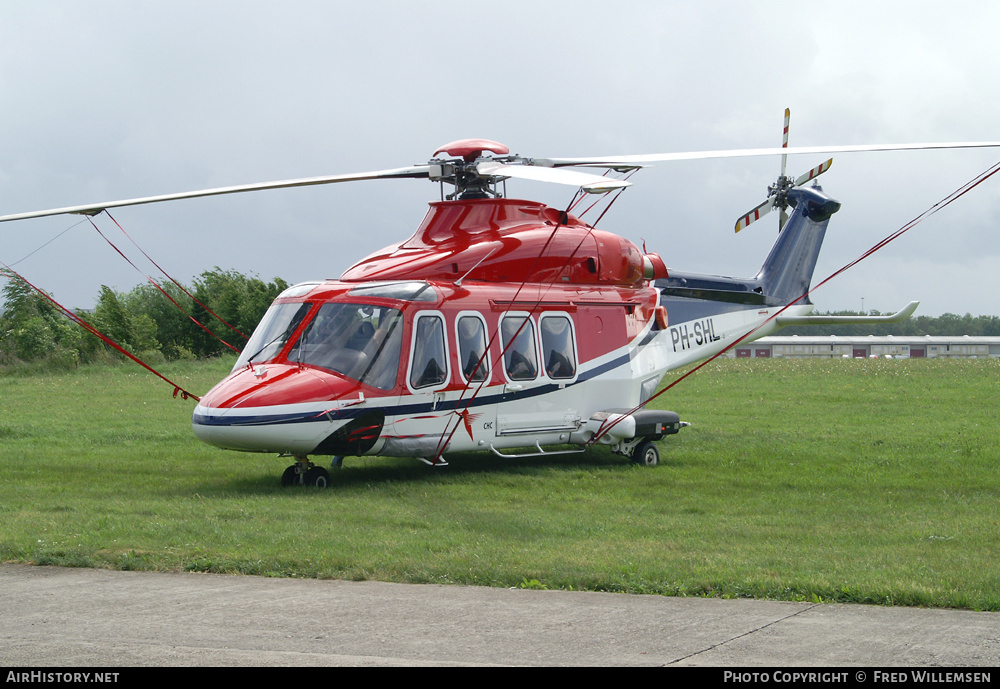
779	190
470	149
461	170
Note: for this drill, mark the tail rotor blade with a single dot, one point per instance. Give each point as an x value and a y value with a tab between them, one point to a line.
815	172
754	215
784	141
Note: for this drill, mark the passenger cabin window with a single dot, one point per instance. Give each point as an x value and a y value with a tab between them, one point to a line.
518	335
472	349
558	351
429	367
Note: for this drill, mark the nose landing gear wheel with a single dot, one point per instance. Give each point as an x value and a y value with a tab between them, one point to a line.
291	477
317	476
305	474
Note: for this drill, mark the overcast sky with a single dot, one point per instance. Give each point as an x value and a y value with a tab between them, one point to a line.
106	100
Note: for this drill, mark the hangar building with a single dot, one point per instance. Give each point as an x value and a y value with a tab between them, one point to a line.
895	346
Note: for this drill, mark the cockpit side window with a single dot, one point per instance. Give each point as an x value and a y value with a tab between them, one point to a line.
520	361
429	361
558	350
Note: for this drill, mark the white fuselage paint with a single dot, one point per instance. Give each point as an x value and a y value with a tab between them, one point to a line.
499	416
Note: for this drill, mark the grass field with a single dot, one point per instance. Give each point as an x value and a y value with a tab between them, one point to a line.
868	481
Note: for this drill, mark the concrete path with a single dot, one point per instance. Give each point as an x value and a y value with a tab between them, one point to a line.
51	616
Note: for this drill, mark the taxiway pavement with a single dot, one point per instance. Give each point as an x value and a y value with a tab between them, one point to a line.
51	616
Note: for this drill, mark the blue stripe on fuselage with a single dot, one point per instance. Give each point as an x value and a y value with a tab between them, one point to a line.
401	409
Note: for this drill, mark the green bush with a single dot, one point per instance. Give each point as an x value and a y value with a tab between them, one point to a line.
152	323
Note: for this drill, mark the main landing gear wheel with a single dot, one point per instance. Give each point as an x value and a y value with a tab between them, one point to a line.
646	453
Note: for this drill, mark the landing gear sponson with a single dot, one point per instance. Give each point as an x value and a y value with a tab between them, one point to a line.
650	426
638	442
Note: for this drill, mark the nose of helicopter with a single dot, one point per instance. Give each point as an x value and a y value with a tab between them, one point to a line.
272	408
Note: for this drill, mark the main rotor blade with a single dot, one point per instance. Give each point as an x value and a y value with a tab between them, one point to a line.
625	160
592	184
417	171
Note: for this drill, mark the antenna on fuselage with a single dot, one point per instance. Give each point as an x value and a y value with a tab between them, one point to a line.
458	282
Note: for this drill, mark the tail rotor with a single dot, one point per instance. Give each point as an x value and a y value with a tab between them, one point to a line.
777	193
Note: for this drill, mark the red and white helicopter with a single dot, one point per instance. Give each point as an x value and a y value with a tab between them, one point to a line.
501	324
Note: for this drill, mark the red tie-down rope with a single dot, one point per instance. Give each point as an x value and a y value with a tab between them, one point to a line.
179	285
157	285
950	198
101	336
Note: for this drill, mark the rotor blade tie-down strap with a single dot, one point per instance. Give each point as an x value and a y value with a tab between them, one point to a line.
610	203
155	284
179	285
101	336
953	196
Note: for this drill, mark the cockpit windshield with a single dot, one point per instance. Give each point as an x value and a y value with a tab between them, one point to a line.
273	332
360	341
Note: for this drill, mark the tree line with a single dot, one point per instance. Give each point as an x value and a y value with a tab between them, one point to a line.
150	326
143	321
948	324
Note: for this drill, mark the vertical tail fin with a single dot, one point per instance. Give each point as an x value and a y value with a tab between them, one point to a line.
788	269
783	279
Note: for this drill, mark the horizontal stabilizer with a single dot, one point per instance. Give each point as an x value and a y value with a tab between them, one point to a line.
897	317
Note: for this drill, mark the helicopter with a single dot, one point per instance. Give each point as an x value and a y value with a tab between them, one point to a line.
502	325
